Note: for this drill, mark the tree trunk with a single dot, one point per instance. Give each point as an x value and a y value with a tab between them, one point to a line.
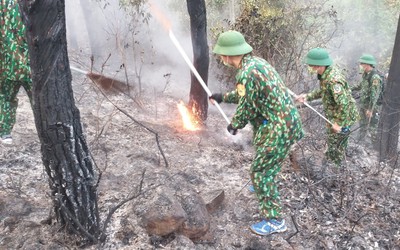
198	102
390	115
65	153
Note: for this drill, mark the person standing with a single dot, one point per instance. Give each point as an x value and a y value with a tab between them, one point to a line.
264	102
370	86
339	105
14	66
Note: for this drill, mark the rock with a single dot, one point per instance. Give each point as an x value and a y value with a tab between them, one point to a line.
280	243
11	205
214	199
181	242
126	233
198	218
161	241
165	215
254	243
10	222
206	239
359	241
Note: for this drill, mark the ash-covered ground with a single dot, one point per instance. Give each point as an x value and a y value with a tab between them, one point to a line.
326	208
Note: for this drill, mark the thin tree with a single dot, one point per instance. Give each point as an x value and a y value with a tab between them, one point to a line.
65	154
198	100
390	118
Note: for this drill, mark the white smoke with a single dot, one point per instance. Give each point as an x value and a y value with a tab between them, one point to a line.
145	49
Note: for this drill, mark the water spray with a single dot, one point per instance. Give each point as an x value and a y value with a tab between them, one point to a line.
310	107
191	66
175	41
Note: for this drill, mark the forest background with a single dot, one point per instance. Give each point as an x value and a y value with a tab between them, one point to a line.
124	40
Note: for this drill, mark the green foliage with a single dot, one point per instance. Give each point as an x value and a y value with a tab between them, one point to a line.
136	10
136	3
217	3
282	31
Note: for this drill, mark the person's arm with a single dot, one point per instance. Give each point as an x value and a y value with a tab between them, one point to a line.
231	97
356	87
313	95
246	111
342	103
374	91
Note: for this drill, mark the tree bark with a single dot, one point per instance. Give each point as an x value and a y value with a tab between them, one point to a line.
390	115
198	100
65	154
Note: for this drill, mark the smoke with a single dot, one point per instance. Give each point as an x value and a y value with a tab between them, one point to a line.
120	40
363	26
117	39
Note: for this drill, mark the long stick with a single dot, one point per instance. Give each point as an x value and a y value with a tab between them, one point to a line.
247	183
309	106
78	70
189	63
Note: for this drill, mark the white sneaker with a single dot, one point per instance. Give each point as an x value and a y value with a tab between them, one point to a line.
6	139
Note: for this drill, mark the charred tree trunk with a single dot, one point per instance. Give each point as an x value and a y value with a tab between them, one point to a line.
65	153
390	117
198	101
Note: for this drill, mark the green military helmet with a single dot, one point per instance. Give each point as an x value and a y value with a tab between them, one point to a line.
232	43
368	59
318	57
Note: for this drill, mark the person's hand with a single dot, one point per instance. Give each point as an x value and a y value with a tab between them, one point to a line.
231	129
302	98
336	128
368	113
216	97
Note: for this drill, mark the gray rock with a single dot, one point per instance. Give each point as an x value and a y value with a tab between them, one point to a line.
214	199
181	242
165	215
198	218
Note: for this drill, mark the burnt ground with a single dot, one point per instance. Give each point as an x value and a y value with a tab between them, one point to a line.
326	208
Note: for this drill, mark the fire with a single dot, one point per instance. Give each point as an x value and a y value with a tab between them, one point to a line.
189	122
160	16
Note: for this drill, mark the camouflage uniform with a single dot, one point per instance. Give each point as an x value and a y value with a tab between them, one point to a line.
264	102
14	63
370	87
339	107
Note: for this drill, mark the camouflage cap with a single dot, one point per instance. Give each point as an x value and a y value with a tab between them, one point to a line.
318	57
232	43
368	59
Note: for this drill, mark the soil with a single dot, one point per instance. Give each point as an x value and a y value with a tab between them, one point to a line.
355	207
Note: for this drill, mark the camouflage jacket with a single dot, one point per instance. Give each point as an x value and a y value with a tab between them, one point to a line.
263	101
370	87
338	103
14	58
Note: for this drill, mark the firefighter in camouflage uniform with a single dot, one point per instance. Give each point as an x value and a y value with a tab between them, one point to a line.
14	65
339	105
370	87
264	102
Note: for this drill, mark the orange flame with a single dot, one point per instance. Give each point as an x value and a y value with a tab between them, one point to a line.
160	16
189	122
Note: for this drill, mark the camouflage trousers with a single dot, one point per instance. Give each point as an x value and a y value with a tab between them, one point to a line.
337	145
266	165
9	103
368	125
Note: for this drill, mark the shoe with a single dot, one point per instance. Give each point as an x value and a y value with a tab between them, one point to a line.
267	227
251	189
6	139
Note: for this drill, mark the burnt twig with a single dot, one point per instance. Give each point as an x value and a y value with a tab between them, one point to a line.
112	210
140	124
295	226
